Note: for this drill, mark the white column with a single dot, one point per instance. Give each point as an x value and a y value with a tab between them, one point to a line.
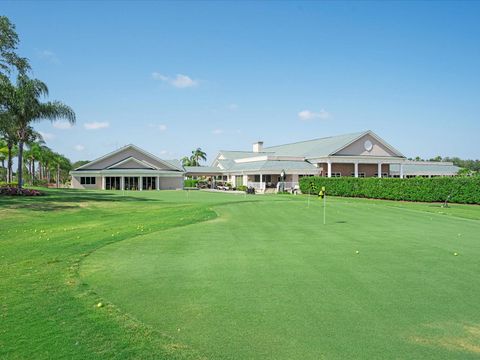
157	181
329	164
122	183
245	180
103	182
401	171
140	183
356	169
261	182
379	170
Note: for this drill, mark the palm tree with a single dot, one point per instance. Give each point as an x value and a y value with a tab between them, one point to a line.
25	107
198	155
33	153
186	161
3	156
60	162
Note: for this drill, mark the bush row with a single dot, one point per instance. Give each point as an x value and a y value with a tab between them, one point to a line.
462	190
190	183
14	191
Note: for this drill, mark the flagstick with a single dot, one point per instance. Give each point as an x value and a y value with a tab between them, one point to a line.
324	207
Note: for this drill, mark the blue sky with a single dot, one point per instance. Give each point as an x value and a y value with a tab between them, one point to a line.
170	77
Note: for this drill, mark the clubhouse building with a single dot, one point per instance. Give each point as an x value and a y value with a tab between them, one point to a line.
362	154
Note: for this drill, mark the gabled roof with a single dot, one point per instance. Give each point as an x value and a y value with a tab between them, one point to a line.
169	164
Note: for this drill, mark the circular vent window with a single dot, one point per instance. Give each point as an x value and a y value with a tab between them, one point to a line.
368	145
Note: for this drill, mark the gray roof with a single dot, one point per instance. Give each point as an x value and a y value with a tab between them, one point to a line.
202	169
425	168
316	147
273	165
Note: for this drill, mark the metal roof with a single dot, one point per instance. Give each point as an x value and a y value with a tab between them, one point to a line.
316	147
203	169
425	168
273	165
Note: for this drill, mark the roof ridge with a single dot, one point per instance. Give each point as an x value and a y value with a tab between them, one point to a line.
326	137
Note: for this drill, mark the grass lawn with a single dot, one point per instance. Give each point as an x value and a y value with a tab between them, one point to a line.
219	276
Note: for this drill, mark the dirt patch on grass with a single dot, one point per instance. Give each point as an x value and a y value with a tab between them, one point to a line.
452	337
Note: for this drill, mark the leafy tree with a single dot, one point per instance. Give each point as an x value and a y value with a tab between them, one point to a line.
186	161
24	107
8	46
79	163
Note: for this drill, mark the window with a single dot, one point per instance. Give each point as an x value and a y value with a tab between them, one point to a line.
336	174
112	183
87	180
149	183
360	174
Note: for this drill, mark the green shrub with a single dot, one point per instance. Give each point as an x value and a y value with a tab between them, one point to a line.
242	188
190	183
462	190
11	184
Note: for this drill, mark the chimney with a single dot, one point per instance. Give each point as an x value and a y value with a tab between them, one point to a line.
258	146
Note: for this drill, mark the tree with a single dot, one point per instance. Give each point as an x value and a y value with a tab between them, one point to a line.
79	163
3	157
186	161
24	107
60	162
198	155
8	45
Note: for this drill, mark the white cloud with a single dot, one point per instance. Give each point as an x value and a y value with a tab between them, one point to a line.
62	125
79	147
310	115
179	81
48	56
217	131
163	152
160	127
96	125
47	136
158	76
232	107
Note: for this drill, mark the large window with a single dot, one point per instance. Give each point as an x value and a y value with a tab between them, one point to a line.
149	183
87	180
113	183
131	183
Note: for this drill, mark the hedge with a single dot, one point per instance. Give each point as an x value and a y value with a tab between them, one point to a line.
462	190
190	183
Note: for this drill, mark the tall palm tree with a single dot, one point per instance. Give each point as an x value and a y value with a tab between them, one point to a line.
25	107
33	153
3	157
60	162
198	155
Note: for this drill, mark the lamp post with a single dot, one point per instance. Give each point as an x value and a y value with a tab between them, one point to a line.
282	179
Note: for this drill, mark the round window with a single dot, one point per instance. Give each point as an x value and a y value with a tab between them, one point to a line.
368	145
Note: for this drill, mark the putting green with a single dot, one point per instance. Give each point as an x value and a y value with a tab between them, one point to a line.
267	280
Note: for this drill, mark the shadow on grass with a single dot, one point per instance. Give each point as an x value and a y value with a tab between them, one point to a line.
54	200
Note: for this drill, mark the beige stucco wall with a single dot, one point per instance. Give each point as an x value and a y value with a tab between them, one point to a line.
171	183
357	148
122	155
76	183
